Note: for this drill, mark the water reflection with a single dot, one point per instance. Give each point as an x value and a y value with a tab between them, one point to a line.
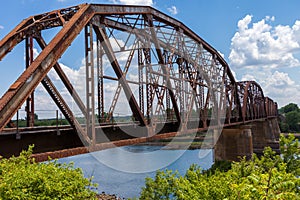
127	182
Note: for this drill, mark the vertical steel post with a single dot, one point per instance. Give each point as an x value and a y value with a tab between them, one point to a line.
180	85
222	101
32	94
141	84
27	57
168	65
100	81
149	102
30	100
149	21
57	130
180	63
90	88
101	32
18	136
56	117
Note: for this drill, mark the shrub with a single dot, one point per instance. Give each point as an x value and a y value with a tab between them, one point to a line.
269	177
22	178
290	151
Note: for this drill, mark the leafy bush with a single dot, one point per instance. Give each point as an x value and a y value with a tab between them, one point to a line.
268	177
290	151
219	165
22	178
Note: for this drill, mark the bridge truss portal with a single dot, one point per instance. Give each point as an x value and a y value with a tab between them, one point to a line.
166	72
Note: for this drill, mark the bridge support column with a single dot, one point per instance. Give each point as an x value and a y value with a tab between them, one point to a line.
265	133
245	140
234	143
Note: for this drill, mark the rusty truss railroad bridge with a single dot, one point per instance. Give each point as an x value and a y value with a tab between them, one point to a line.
173	83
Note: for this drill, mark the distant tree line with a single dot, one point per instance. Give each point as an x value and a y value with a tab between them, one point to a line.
289	118
38	122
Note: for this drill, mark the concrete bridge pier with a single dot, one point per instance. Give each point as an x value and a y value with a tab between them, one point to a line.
265	133
244	140
234	143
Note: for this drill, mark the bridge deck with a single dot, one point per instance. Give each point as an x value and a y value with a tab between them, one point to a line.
160	68
63	141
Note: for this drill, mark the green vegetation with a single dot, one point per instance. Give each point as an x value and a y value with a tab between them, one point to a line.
290	118
290	151
22	178
41	122
268	177
60	122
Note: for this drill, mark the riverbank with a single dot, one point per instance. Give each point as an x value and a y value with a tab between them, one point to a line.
104	196
181	143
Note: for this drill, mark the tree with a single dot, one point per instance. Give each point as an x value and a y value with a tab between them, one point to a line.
284	127
267	177
290	118
288	108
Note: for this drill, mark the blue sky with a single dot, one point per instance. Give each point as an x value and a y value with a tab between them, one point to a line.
259	39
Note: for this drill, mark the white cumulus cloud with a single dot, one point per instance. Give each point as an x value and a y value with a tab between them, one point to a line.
261	51
173	10
260	45
282	88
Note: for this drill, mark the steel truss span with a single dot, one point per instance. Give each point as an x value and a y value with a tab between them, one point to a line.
165	70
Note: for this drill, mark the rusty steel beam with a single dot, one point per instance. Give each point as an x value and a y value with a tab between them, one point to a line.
145	10
119	88
237	100
11	40
21	89
200	59
64	108
141	78
33	25
136	10
29	108
90	82
115	65
142	34
271	107
64	79
100	88
248	93
58	100
149	20
245	100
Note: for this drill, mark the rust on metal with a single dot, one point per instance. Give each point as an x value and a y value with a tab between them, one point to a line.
178	73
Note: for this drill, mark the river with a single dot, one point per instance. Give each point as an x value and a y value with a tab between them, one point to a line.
122	170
